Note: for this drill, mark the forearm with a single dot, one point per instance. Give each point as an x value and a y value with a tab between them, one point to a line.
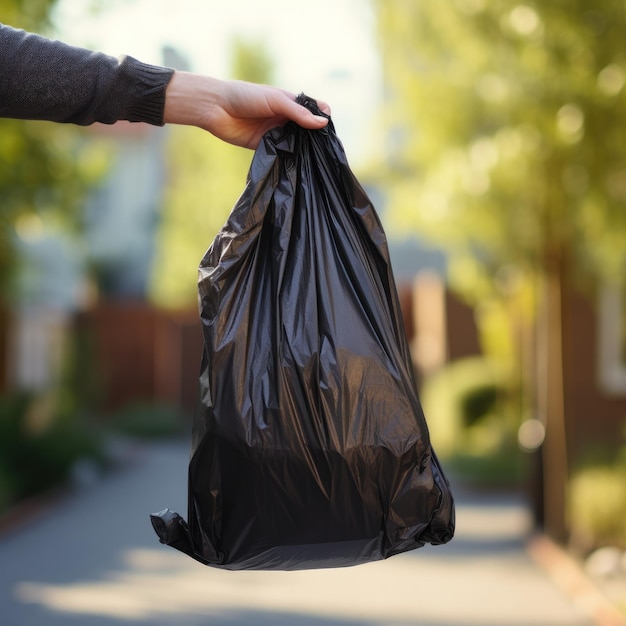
49	80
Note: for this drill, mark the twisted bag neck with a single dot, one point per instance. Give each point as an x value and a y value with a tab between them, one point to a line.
311	104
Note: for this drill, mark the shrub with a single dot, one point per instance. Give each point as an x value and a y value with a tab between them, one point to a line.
478	402
472	423
35	458
597	506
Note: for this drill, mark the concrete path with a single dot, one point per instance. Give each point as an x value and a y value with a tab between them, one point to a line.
92	559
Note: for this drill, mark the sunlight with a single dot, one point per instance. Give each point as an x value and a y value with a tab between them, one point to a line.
404	590
326	49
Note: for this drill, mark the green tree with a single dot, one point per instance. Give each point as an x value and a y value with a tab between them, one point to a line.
508	145
45	168
45	171
206	176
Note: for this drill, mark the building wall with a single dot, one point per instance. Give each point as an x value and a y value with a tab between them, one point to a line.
440	327
461	329
595	416
122	216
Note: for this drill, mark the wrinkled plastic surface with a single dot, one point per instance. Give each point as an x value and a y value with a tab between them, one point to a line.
310	448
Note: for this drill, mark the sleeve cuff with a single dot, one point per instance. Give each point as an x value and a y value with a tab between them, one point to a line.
148	84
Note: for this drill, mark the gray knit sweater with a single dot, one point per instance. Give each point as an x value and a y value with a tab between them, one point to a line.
48	80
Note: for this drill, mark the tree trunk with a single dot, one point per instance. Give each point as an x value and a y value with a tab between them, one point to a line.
550	399
4	336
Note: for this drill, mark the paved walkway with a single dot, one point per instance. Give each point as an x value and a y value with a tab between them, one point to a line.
92	559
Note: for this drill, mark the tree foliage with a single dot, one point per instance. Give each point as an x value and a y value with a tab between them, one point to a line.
508	127
45	168
206	176
205	179
31	15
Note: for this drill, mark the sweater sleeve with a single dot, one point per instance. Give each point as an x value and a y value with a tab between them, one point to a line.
42	79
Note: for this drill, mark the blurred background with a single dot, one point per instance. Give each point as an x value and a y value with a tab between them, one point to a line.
491	136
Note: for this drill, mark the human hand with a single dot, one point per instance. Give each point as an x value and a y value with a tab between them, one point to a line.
237	112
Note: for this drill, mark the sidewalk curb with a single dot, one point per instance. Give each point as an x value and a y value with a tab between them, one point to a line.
569	576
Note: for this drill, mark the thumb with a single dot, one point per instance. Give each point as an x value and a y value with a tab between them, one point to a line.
303	117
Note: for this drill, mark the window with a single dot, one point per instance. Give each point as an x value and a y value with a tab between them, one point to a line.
612	340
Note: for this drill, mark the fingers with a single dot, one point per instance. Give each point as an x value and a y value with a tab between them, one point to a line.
308	120
323	106
305	118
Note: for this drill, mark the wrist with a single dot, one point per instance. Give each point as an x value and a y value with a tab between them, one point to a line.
189	99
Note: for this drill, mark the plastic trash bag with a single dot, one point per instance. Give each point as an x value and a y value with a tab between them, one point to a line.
310	448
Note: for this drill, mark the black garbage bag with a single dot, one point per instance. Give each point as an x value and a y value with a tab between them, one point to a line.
309	448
